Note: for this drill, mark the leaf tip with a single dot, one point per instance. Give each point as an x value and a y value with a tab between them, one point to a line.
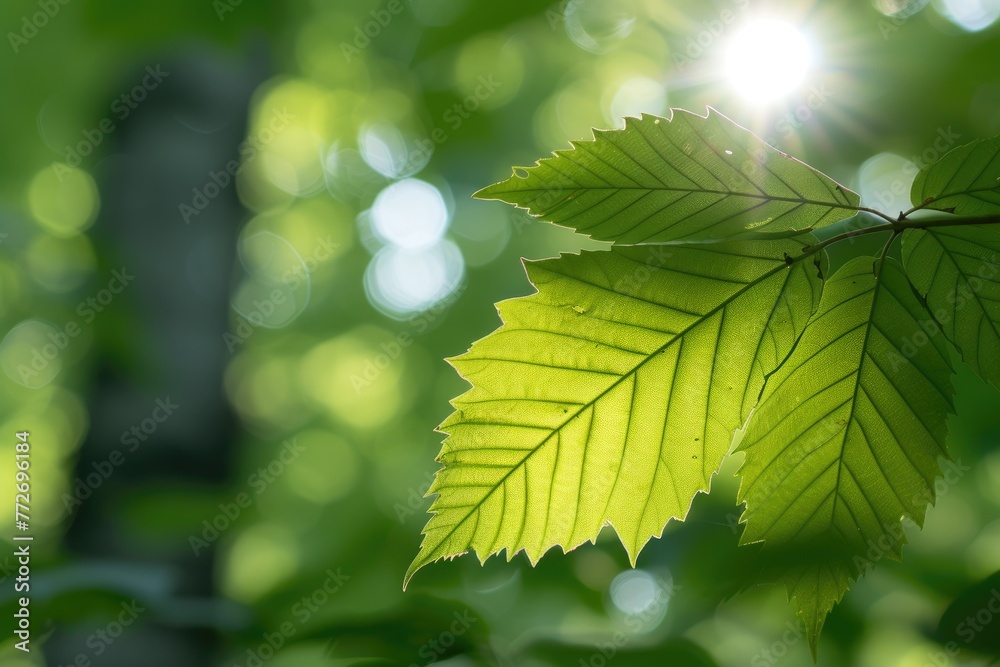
484	193
412	570
814	647
496	190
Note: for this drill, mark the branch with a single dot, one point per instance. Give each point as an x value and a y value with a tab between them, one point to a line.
899	226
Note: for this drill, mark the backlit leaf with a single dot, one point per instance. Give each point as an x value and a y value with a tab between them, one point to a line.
966	181
611	396
957	269
690	178
846	440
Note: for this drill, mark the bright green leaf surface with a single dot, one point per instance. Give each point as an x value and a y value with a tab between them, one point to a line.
957	269
847	437
690	178
611	396
966	181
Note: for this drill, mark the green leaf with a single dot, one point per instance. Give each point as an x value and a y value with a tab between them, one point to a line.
966	181
611	395
691	178
846	439
957	269
959	624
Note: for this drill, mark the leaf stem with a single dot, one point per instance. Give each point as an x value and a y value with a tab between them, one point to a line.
888	244
905	214
875	211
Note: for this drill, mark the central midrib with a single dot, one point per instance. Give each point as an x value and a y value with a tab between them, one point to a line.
730	193
473	508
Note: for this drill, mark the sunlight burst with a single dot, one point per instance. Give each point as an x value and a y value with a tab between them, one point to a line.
767	60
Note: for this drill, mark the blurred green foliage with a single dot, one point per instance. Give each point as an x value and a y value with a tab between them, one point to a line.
350	368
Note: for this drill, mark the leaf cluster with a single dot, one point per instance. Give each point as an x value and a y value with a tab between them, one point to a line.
711	325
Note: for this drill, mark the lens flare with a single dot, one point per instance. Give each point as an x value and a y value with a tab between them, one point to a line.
767	60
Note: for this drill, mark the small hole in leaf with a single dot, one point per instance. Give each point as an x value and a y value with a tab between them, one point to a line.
729	152
520	172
